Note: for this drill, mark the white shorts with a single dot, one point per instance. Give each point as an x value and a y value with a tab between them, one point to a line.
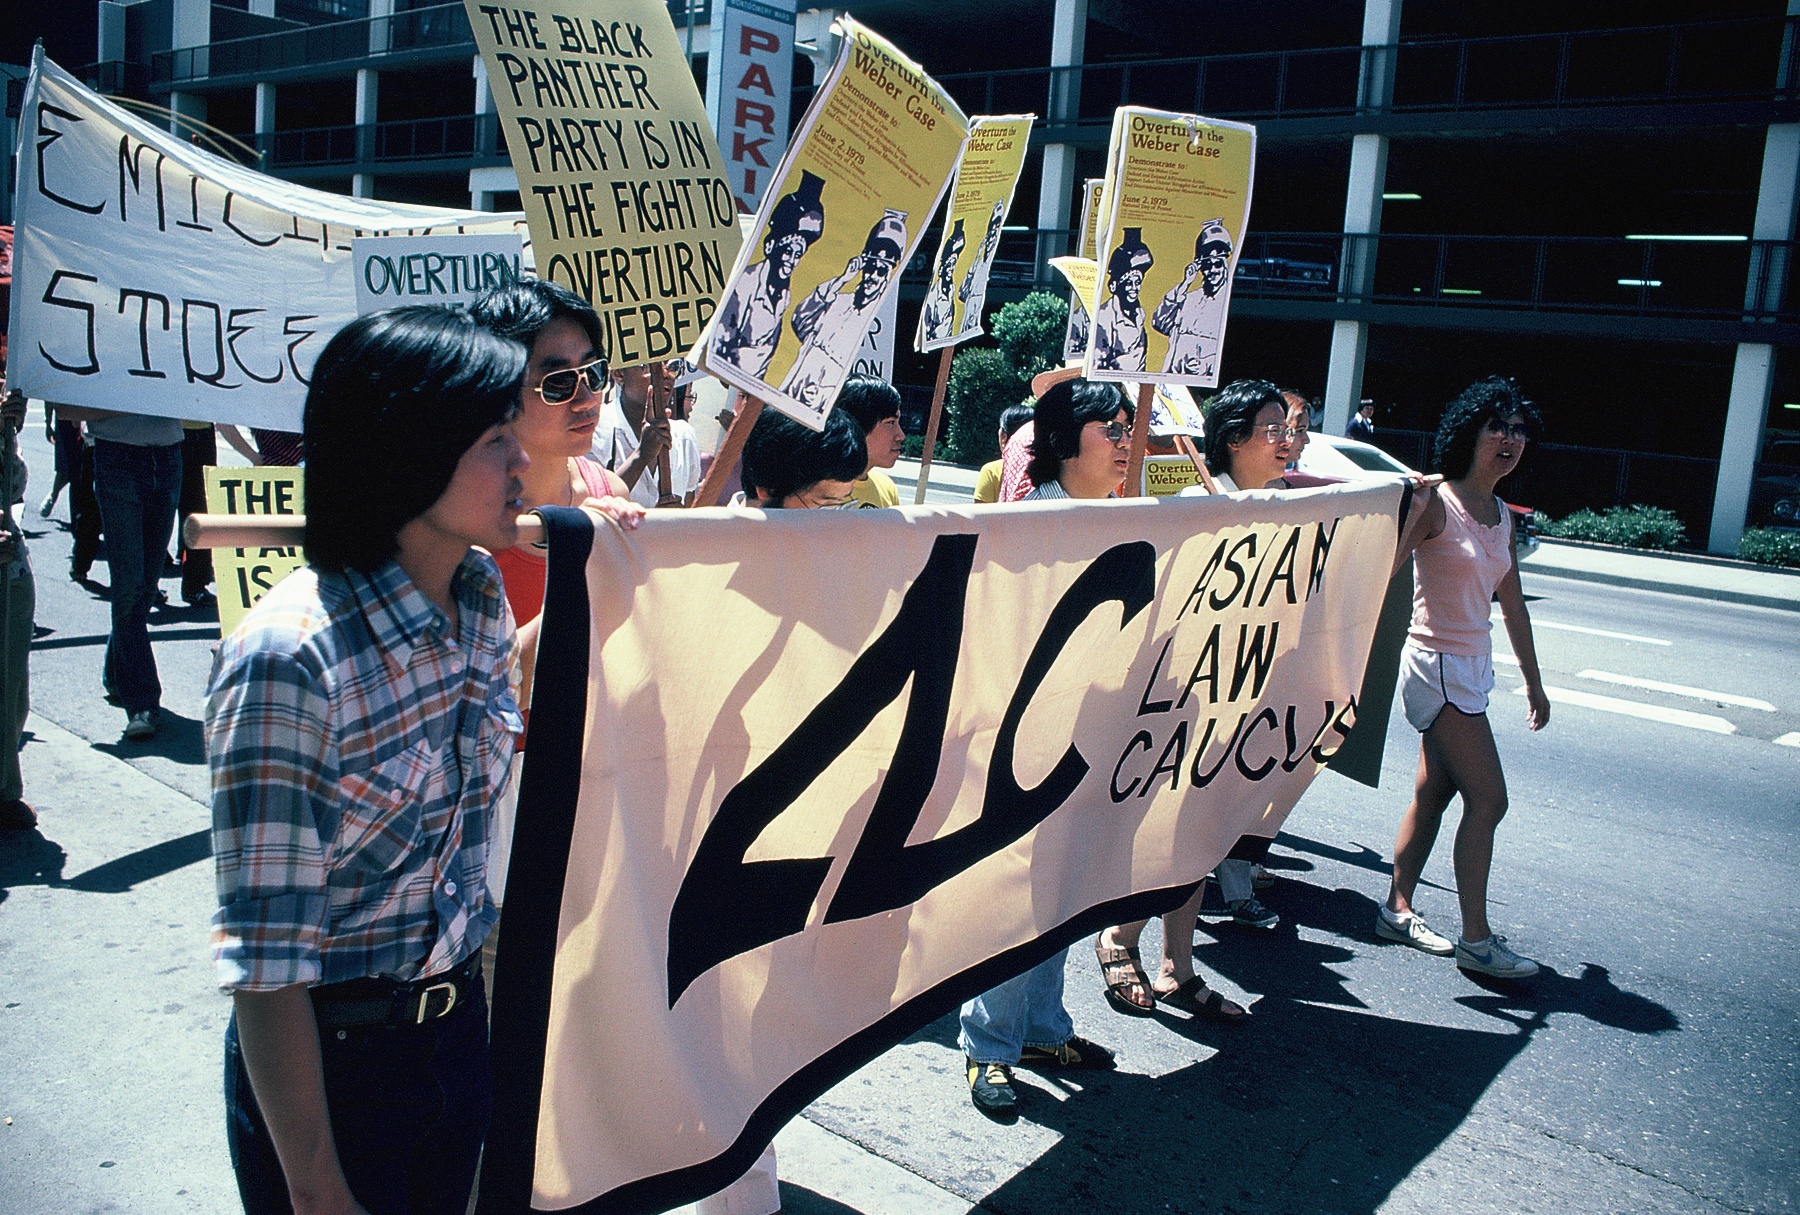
1429	681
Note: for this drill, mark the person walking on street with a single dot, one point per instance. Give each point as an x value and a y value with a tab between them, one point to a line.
1362	423
1464	563
199	451
18	608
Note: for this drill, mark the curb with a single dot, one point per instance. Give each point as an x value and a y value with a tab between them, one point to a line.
1742	598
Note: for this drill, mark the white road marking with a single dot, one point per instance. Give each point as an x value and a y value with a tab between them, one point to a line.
1636	708
1576	628
1789	740
1678	689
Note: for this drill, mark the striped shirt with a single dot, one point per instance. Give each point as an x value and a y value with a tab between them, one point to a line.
356	750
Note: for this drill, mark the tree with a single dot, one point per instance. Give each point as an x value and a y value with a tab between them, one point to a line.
985	381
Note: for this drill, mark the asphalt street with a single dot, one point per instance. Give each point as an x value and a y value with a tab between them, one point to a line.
1649	861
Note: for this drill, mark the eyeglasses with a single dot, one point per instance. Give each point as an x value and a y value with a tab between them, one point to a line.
559	387
1115	432
1275	434
1508	430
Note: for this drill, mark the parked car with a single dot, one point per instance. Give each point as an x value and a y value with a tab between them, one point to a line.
1775	494
1333	456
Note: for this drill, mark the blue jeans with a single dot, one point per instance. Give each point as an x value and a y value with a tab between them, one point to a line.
1023	1011
409	1109
138	488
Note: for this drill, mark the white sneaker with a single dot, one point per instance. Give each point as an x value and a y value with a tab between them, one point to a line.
1492	957
1409	928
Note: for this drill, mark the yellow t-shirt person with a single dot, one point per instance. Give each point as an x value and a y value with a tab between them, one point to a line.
987	485
875	489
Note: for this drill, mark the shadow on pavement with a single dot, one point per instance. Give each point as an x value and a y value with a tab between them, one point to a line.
28	859
178	738
798	1200
1593	995
120	875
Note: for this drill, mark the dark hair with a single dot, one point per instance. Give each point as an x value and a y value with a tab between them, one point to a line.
397	397
1013	417
524	308
785	457
1231	418
1057	421
1494	399
868	399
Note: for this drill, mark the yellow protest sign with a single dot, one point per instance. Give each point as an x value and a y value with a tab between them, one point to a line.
244	575
980	197
1166	476
1176	199
1090	216
1081	272
847	207
618	169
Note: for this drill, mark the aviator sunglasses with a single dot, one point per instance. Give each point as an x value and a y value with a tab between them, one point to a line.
558	387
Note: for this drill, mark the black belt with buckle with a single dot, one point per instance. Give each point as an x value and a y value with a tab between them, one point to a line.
363	1003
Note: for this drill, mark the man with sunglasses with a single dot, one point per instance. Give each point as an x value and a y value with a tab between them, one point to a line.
831	323
1194	320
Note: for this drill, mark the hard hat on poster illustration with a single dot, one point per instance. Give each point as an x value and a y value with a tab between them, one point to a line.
1132	254
801	213
953	244
1213	236
888	236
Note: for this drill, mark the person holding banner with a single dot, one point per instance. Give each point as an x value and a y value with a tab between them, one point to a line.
1464	563
1083	433
359	725
987	484
788	466
875	404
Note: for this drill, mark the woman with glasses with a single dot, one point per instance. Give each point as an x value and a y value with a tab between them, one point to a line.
1080	442
1464	563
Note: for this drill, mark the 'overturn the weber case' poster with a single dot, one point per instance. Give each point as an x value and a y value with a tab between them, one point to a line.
1174	207
849	203
980	197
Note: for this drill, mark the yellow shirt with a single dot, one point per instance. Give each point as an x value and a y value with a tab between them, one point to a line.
876	489
987	485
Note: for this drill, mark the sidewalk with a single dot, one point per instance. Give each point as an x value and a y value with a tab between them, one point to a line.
1699	576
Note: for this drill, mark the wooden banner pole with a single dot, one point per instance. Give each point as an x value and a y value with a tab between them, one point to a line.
1140	441
932	421
748	410
1188	449
662	386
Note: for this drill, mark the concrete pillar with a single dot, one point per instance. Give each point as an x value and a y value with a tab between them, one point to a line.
368	85
1362	213
1056	190
1753	371
481	196
265	122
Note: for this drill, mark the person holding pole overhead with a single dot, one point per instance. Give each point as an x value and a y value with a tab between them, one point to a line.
359	726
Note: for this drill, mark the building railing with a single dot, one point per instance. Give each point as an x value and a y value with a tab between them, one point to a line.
1617	276
458	136
442	28
1694	62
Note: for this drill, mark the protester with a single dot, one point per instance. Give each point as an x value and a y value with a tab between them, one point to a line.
788	466
18	609
358	727
1083	434
1299	424
632	437
84	504
137	481
1362	423
199	451
1464	563
875	404
68	459
987	484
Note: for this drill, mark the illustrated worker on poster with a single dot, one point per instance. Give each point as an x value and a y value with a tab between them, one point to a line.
940	306
975	282
1120	343
831	324
749	324
1194	319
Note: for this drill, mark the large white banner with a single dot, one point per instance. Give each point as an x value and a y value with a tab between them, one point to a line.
801	782
154	277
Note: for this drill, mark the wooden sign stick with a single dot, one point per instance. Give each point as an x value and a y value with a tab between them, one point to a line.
1140	441
748	410
661	388
1186	445
931	423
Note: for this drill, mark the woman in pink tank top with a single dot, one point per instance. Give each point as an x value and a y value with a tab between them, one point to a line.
1462	565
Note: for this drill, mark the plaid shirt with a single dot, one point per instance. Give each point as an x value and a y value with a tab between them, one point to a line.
356	753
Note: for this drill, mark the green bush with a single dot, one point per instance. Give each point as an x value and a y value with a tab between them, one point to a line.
913	446
1626	526
984	381
982	385
1771	546
1030	333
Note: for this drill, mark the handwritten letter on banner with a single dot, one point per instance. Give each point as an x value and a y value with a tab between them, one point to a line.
980	197
617	164
843	214
868	799
153	277
1172	215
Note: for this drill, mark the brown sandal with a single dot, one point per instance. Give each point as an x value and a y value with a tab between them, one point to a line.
1213	1006
1121	970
